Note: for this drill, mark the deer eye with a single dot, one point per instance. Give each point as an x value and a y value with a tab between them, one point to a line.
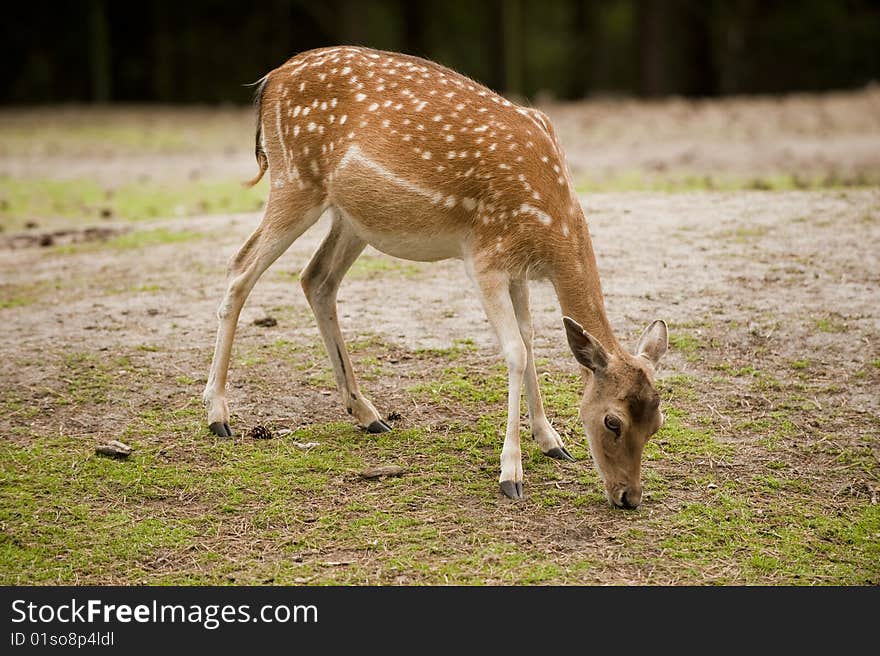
612	423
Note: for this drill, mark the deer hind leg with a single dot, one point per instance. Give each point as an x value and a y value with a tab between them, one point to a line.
287	216
495	294
320	282
546	436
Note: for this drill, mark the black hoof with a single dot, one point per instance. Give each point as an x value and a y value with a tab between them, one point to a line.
560	453
221	429
378	426
512	489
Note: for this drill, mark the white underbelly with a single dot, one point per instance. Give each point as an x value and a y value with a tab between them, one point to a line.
406	245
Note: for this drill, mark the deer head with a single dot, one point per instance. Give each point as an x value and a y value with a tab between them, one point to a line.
620	408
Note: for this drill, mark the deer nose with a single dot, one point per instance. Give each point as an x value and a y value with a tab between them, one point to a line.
631	498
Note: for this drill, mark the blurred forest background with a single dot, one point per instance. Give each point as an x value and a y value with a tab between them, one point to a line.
206	50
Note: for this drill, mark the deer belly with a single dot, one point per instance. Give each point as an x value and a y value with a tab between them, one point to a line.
404	243
394	214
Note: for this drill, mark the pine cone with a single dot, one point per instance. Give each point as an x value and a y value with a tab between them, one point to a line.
260	432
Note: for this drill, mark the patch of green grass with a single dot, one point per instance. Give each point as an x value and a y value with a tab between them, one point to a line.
796	543
459	383
11	301
732	370
135	240
27	293
829	325
685	343
56	202
370	266
676	439
744	234
800	364
677	388
683	182
875	364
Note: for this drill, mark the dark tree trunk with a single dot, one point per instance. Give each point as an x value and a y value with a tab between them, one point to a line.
512	20
413	14
163	53
581	46
99	52
652	38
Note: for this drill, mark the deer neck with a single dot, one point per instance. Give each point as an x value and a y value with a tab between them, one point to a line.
576	279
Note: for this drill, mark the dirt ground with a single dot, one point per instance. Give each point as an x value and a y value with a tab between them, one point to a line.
768	472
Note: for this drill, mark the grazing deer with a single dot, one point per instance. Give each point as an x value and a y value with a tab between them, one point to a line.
425	164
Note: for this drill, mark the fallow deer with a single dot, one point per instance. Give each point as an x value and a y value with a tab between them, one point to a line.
426	164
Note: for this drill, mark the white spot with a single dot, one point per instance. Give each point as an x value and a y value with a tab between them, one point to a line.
333	102
426	155
324	106
295	130
482	128
450	202
346	70
450	137
564	230
297	110
373	107
451	154
343	119
360	97
541	215
437	118
385	123
311	126
407	137
302	86
544	159
469	203
387	103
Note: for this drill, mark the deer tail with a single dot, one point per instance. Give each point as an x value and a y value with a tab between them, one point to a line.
262	160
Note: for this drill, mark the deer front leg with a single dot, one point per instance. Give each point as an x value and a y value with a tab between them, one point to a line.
548	439
320	282
494	288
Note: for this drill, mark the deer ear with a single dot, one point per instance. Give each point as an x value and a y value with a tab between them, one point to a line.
586	348
653	342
